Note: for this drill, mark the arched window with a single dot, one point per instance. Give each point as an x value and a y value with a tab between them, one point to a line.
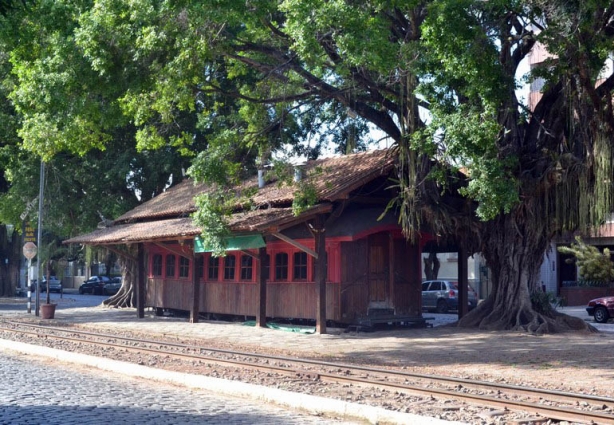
156	265
170	265
281	266
184	267
300	266
230	262
246	267
214	268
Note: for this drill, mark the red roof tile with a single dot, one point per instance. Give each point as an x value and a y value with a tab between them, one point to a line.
333	178
184	228
137	232
166	216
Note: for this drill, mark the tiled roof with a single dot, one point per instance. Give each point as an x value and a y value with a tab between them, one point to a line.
180	228
166	217
333	178
137	232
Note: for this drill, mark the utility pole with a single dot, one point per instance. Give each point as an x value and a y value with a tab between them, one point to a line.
39	239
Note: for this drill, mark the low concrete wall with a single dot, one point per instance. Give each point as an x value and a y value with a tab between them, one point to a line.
581	295
72	281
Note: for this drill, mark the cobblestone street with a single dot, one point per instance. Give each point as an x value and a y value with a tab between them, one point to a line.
50	393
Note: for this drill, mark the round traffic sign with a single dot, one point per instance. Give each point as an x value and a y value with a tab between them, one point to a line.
30	250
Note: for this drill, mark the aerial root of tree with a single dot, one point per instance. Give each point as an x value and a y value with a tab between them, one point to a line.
522	317
123	298
126	296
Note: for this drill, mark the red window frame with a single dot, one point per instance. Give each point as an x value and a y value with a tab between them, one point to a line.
247	267
213	268
157	265
170	263
281	266
230	266
184	267
300	269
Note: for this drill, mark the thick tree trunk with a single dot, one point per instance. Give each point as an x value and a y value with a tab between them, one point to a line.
10	252
431	266
514	247
126	296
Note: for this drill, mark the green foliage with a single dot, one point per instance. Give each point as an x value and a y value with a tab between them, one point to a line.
231	82
544	302
305	197
7	6
212	217
467	88
593	265
362	34
217	165
492	185
467	62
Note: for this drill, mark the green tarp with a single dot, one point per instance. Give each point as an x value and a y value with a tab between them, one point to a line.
288	328
233	243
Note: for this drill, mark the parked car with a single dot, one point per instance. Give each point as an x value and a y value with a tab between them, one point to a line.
602	309
55	285
94	285
113	286
442	295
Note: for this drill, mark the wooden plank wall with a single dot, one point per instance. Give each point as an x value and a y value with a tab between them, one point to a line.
354	280
407	279
168	294
345	301
298	300
289	300
229	298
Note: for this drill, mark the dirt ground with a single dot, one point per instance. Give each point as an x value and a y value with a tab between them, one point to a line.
578	362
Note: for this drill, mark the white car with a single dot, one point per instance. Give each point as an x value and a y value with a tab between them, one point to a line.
442	295
55	284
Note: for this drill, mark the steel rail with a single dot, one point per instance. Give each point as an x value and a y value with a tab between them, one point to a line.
561	396
213	360
559	413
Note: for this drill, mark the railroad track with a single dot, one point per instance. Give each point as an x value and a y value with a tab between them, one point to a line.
548	404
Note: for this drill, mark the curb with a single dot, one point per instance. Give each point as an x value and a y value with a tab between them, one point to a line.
311	404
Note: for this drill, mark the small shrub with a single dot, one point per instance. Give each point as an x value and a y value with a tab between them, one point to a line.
594	283
543	302
593	265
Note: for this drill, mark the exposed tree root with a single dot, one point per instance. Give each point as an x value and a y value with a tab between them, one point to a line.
126	296
524	318
123	298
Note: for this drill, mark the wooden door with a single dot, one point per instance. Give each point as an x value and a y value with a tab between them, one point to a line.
379	272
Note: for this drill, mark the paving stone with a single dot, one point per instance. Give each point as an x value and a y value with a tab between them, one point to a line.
35	396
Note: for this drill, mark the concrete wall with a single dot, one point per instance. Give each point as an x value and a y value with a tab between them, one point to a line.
448	270
548	270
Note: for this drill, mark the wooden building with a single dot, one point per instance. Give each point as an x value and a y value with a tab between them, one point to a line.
337	261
